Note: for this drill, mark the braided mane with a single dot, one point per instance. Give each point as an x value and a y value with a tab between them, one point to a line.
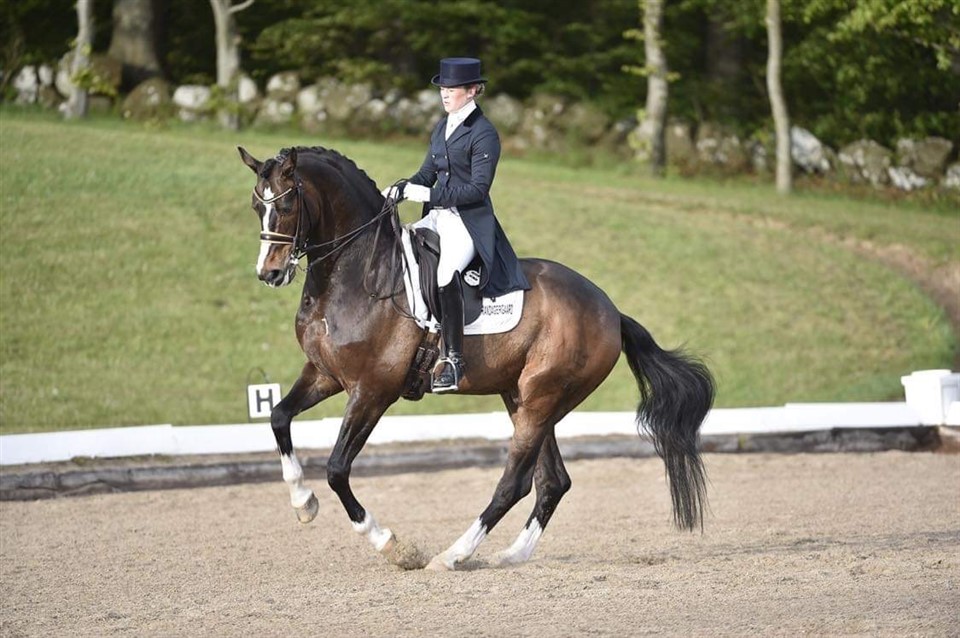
338	161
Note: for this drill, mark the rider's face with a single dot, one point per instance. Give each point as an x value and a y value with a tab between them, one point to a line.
454	98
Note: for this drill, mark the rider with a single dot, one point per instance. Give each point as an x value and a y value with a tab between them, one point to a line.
454	186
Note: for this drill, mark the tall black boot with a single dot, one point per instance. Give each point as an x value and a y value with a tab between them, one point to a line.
446	378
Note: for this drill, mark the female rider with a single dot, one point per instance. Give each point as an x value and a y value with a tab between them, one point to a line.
454	186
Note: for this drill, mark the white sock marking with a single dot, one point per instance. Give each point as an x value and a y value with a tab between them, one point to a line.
369	528
522	548
293	477
465	546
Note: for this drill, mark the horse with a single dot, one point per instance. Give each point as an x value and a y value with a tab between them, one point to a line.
358	338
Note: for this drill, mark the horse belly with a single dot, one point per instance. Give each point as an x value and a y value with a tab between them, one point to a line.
493	362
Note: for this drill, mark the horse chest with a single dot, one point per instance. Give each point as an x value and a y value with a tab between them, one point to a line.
327	332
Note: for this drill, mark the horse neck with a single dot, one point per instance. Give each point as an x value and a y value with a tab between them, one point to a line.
337	212
335	206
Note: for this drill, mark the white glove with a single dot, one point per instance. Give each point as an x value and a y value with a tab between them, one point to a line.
391	192
416	193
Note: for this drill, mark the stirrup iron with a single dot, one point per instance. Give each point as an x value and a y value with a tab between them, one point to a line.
449	375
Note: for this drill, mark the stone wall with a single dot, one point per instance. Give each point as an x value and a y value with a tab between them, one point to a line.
543	124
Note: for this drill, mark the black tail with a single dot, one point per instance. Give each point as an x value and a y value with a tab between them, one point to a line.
676	392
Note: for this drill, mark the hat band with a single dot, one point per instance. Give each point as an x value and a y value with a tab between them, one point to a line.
454	80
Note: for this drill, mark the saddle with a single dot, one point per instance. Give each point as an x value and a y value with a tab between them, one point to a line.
426	251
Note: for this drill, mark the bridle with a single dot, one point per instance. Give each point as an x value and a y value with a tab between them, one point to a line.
299	240
270	237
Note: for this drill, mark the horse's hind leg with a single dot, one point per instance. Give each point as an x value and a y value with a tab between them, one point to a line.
310	389
530	430
552	483
514	485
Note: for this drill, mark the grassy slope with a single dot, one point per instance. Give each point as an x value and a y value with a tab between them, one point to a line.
127	293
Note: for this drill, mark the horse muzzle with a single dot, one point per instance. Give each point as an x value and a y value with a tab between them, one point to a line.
277	278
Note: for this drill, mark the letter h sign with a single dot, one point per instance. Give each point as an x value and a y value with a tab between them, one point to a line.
261	398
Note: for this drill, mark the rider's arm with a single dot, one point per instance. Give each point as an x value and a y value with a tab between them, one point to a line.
427	175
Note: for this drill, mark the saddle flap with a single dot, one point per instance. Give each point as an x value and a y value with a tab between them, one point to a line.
426	251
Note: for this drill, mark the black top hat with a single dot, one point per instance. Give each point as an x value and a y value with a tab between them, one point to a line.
457	72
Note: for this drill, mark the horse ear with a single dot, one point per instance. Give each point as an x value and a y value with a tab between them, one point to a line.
250	160
289	164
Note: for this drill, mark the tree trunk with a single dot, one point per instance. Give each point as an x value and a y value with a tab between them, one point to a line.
76	106
656	67
228	59
133	41
724	72
778	105
724	51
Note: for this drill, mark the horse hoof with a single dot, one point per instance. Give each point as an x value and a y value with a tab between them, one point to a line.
438	564
390	546
403	555
505	559
308	511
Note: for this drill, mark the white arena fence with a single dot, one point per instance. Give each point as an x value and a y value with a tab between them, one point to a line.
172	440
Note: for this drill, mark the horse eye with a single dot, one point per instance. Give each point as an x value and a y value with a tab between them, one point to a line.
287	207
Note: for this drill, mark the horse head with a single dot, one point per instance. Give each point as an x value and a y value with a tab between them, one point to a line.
315	209
278	201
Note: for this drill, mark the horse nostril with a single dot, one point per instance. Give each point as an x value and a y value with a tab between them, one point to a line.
271	277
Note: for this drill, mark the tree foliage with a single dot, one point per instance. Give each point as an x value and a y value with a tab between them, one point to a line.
574	49
851	68
933	24
876	68
37	31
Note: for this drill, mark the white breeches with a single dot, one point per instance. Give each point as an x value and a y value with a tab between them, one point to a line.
456	245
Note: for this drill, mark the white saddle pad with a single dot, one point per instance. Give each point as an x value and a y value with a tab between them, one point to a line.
501	314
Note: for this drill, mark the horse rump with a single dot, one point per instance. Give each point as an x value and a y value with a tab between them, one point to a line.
676	392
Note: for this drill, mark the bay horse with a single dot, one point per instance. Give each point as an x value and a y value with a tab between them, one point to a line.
359	339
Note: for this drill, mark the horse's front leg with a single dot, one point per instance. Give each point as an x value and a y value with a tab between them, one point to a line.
362	415
310	389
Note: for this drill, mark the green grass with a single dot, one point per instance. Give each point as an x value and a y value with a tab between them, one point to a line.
127	291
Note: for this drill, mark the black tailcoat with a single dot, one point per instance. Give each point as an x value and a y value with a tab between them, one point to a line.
459	172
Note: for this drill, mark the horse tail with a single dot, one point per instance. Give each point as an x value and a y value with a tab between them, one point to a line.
676	392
